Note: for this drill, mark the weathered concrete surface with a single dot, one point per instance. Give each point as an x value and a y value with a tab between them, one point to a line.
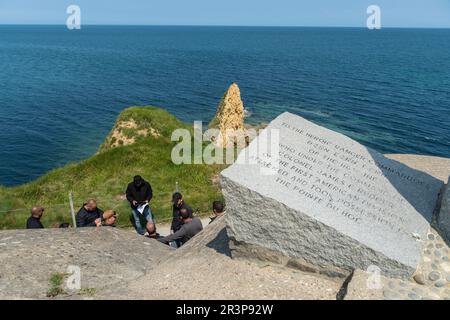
431	281
331	201
443	220
120	265
203	269
362	288
105	256
435	166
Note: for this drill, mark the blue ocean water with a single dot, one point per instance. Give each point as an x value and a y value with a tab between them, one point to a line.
61	90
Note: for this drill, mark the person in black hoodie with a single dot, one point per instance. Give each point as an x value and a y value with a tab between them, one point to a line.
89	215
34	221
139	194
178	204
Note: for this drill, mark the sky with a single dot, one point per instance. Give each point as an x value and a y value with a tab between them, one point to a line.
332	13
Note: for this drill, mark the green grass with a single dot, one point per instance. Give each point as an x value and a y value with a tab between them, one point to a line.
105	177
56	282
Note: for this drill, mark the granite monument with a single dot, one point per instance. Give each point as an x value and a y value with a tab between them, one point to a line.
327	199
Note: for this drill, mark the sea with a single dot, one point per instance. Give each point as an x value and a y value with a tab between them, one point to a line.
61	90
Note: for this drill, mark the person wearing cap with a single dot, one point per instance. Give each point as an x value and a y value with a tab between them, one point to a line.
139	194
89	215
190	227
178	204
218	210
34	221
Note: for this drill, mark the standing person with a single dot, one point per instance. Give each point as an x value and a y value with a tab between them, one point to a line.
34	221
139	194
178	204
89	215
190	227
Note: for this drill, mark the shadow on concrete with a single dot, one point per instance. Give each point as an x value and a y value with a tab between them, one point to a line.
221	243
424	198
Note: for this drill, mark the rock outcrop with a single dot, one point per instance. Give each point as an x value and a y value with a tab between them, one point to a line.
229	118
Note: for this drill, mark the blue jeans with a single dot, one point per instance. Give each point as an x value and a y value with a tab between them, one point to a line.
148	215
175	244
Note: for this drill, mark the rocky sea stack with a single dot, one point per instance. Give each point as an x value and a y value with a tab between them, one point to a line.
230	115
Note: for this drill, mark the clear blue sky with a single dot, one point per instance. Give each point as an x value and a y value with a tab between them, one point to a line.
395	13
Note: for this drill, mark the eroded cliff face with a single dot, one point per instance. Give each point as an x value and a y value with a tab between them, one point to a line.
132	126
229	118
127	132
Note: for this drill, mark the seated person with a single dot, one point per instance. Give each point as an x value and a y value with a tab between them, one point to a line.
190	227
218	211
34	221
109	218
89	215
151	229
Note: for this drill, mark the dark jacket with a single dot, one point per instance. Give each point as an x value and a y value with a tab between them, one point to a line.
87	218
142	194
177	223
34	223
186	232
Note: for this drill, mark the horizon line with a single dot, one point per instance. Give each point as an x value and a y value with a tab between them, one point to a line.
218	25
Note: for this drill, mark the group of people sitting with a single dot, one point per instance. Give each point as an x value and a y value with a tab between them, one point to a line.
139	193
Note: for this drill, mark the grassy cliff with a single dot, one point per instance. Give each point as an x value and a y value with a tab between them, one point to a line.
140	143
